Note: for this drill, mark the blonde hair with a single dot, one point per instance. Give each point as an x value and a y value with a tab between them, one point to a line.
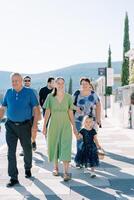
55	89
84	119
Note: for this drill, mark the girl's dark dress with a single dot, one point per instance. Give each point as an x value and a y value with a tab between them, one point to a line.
87	153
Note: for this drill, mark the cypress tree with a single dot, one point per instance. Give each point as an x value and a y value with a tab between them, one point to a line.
70	86
109	58
109	65
126	47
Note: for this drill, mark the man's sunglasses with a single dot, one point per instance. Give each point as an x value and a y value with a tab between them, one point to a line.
27	80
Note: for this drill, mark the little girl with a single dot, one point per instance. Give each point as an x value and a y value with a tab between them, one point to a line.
87	153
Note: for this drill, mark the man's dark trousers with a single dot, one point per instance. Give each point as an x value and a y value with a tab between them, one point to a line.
23	133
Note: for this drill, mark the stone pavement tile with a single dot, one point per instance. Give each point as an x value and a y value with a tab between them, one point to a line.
50	176
93	193
123	173
116	165
113	163
123	186
45	171
116	139
131	155
119	156
47	167
37	197
104	164
74	170
72	196
38	162
8	197
124	197
51	187
22	191
111	147
83	181
3	154
22	181
126	144
14	191
116	162
34	170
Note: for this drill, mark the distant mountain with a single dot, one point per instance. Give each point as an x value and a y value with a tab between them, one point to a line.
75	71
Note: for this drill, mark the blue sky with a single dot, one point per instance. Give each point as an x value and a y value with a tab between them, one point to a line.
42	35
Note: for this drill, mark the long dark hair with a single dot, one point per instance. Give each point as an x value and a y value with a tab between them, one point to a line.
55	89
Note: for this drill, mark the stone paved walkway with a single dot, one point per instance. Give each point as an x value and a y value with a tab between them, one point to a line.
115	176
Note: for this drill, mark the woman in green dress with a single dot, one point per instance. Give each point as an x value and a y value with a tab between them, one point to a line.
59	108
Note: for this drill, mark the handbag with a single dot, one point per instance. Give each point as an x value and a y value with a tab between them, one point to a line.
101	154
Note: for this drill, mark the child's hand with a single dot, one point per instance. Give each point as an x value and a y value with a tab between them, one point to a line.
80	136
77	137
44	131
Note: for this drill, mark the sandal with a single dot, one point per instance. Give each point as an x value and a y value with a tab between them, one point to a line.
55	172
66	177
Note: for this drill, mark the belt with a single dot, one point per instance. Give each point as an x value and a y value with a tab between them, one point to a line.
19	123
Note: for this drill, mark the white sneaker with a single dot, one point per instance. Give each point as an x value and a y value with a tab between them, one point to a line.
93	175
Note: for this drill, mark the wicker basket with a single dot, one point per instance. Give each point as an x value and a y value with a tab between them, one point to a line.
101	154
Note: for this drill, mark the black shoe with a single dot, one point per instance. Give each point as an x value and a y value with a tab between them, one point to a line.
34	147
12	182
22	153
28	173
77	165
93	175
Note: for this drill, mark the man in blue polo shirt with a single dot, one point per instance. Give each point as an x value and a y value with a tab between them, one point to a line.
20	103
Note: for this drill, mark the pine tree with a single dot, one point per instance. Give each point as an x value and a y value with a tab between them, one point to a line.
126	47
70	86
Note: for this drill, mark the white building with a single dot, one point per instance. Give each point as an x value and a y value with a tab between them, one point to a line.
130	55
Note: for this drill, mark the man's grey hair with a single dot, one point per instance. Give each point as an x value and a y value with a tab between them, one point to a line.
16	74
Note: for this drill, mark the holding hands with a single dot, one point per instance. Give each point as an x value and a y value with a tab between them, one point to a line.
44	131
75	132
80	136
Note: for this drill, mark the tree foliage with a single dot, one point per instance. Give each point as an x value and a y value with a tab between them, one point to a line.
126	48
70	86
109	65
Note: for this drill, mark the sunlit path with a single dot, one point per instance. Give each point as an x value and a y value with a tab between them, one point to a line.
114	180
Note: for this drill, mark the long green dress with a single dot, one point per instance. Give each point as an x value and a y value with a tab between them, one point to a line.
59	132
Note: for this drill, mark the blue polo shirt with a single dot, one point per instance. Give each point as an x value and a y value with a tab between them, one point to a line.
20	104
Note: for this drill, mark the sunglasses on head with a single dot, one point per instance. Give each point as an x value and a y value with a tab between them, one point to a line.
27	80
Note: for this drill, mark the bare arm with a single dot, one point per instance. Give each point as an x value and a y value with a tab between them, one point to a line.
71	117
77	109
98	112
2	111
37	115
96	141
46	118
